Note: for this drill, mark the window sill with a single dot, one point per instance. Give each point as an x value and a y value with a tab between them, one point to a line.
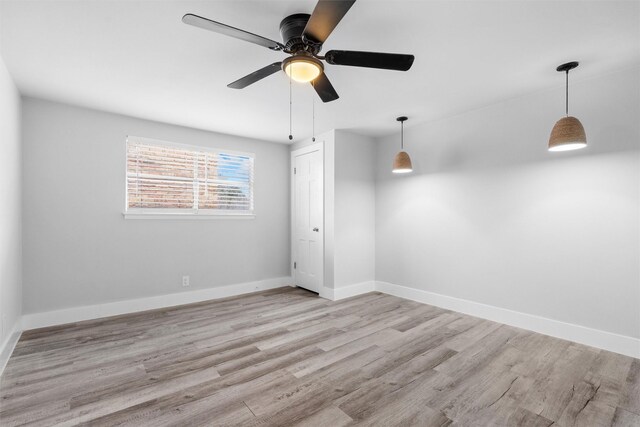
187	216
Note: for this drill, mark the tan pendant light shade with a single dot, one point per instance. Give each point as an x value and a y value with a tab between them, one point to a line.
568	133
402	161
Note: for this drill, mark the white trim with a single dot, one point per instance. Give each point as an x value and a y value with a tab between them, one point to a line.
335	294
88	312
353	290
316	146
188	216
6	349
327	293
616	343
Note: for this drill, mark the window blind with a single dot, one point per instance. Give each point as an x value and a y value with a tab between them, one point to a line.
164	177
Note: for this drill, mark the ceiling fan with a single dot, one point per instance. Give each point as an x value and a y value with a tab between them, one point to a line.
303	36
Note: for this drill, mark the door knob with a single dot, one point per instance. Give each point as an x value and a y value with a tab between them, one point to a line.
316	229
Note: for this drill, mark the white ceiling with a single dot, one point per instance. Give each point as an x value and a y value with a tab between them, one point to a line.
137	58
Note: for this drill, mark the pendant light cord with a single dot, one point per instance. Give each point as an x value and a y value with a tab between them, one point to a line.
402	135
566	107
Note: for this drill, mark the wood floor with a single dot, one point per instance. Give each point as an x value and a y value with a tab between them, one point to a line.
286	357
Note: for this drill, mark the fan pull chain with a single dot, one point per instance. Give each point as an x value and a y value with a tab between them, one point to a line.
290	111
313	113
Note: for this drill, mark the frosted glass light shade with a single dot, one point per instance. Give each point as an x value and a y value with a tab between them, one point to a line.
567	134
402	163
302	69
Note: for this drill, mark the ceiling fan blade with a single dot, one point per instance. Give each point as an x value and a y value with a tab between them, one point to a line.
256	75
386	61
217	27
325	17
324	88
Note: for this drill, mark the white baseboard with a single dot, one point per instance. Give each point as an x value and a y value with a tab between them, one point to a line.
6	348
622	344
353	290
335	294
88	312
327	293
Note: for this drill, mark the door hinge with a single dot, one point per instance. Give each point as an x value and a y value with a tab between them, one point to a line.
294	171
295	264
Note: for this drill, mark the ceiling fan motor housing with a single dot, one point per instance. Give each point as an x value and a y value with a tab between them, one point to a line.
291	29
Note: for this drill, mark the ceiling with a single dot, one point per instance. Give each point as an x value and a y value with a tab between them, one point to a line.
137	58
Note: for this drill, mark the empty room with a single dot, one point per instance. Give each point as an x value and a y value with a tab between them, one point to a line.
320	213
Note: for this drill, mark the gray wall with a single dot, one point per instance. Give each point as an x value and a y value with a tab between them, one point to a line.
354	209
490	216
10	200
78	248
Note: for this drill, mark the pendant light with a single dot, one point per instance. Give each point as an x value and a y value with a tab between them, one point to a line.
402	161
568	133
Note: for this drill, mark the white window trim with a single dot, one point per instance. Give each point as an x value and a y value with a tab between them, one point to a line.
187	216
180	214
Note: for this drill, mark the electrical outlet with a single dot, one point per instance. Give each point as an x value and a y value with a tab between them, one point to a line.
185	281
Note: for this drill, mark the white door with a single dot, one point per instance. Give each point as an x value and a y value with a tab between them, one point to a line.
308	218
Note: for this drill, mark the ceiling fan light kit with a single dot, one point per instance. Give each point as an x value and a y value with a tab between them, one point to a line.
402	161
302	68
568	133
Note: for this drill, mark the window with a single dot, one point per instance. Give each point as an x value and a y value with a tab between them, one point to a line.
167	178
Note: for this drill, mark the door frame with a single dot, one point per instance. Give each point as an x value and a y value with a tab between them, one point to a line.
317	146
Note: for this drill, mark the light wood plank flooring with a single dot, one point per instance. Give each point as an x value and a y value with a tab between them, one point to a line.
287	357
